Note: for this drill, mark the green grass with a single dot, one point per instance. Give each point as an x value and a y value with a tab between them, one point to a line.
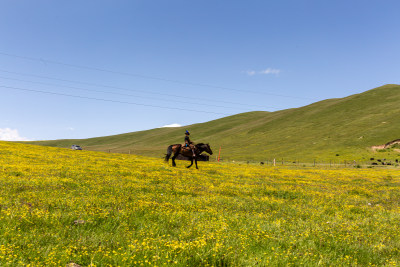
100	209
347	126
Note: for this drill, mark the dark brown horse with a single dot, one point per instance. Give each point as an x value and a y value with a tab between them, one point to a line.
187	152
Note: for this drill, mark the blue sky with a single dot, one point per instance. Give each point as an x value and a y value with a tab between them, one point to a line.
79	69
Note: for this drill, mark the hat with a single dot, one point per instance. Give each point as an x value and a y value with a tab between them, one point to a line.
187	132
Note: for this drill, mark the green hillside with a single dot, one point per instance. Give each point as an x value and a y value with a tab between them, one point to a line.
336	129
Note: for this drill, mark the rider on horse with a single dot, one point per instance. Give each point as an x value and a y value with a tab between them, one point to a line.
188	143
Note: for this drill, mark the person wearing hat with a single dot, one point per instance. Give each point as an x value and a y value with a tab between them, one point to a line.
189	143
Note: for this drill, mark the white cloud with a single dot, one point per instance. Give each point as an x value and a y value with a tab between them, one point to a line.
250	72
173	125
8	134
70	128
270	71
263	72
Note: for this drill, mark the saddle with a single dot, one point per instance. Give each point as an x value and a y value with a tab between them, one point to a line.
184	147
187	148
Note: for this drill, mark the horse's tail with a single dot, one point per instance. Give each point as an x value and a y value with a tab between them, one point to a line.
169	152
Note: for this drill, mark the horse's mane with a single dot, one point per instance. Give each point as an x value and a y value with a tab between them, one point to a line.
200	144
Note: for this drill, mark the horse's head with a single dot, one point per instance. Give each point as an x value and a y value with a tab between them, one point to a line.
208	149
204	147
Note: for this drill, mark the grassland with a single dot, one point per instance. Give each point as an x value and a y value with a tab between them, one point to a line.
334	129
97	209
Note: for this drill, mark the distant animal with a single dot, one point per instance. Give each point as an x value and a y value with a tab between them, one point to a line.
179	149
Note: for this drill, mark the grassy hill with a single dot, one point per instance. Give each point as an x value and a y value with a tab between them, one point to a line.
338	129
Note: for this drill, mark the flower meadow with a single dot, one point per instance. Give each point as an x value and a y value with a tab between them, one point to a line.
60	207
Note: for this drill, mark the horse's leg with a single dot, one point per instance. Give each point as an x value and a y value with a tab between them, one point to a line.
195	160
176	153
173	159
169	152
191	163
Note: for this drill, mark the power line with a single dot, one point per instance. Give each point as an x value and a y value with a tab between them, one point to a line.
109	100
121	94
132	90
146	76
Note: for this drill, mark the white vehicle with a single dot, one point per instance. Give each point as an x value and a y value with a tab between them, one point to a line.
76	147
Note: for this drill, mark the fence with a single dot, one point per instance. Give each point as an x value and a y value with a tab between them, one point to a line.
318	163
296	162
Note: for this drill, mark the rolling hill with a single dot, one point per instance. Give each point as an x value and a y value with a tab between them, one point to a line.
343	128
